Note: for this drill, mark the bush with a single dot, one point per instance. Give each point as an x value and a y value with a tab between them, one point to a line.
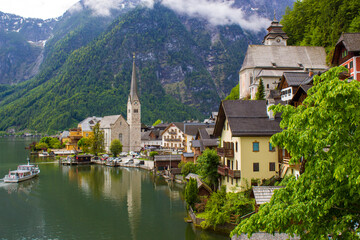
187	168
191	192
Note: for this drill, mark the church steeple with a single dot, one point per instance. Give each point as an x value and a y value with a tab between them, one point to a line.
133	88
275	35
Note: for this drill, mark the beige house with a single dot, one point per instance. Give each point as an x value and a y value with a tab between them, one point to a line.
246	155
269	61
115	127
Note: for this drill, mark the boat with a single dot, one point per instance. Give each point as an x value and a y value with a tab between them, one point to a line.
23	172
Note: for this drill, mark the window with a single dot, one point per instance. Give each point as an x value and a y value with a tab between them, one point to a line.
255	146
272	167
136	110
267	86
271	147
255	167
351	64
120	137
236	147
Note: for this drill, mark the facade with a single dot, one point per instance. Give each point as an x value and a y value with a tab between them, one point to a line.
347	54
246	154
115	127
291	82
173	137
151	139
271	60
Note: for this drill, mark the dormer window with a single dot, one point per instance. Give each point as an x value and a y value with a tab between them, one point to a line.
274	64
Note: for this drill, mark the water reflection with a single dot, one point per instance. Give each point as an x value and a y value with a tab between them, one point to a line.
23	187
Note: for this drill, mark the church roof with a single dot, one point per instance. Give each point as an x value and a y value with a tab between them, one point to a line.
107	121
283	57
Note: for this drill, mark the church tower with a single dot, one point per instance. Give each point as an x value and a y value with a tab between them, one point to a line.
134	114
275	35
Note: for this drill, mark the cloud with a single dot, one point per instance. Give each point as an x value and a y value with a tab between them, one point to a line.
216	12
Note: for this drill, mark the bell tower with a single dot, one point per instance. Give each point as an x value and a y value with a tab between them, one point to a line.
275	35
134	113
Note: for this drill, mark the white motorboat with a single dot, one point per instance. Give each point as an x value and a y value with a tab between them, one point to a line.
23	172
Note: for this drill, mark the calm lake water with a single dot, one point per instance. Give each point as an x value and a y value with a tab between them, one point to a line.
89	202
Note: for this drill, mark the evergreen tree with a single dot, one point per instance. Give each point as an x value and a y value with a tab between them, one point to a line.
260	94
97	140
191	192
207	164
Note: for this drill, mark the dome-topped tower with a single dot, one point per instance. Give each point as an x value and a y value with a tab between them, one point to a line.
275	35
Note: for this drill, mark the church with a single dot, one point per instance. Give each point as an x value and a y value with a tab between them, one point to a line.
127	131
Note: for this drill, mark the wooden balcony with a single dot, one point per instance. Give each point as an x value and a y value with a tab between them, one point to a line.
173	140
222	170
234	173
225	152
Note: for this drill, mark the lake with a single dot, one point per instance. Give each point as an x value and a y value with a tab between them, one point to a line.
90	202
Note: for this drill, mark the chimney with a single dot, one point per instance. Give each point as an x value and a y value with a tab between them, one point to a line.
270	113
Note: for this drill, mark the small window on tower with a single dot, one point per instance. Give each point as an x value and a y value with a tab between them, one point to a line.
136	110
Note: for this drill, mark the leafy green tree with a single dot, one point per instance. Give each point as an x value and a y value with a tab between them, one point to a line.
234	94
260	94
191	192
157	122
97	140
84	144
116	147
153	154
325	131
208	163
187	168
41	146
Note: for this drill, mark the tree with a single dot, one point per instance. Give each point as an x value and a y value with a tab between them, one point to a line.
97	140
234	94
325	131
84	144
207	167
260	94
41	146
191	192
116	147
153	154
187	168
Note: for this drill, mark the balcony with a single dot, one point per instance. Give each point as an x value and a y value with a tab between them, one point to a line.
173	140
234	173
225	152
223	170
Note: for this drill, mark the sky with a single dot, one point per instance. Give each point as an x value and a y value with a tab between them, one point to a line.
36	8
219	12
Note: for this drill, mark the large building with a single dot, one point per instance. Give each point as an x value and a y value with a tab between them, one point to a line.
270	60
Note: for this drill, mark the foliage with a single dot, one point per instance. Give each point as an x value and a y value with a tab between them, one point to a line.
325	132
97	140
191	192
187	168
260	94
116	147
51	142
222	206
157	122
41	146
234	94
152	154
84	144
207	167
320	22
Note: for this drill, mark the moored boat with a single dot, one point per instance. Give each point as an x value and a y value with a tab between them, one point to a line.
23	172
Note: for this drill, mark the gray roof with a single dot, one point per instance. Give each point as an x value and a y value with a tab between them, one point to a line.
191	154
297	78
65	134
108	120
277	57
88	123
196	143
351	41
192	128
246	118
263	194
167	158
145	135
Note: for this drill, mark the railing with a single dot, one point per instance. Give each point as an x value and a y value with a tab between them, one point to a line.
173	140
222	170
234	173
225	152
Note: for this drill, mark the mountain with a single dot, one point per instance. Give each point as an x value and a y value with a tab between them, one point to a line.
185	66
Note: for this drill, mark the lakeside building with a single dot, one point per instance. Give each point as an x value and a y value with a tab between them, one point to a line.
246	154
270	60
347	54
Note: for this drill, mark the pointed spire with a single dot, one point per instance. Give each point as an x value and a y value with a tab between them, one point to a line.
133	88
274	16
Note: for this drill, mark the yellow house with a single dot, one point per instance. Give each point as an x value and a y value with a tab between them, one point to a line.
246	154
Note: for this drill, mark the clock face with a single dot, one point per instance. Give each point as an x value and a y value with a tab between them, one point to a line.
278	40
135	102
